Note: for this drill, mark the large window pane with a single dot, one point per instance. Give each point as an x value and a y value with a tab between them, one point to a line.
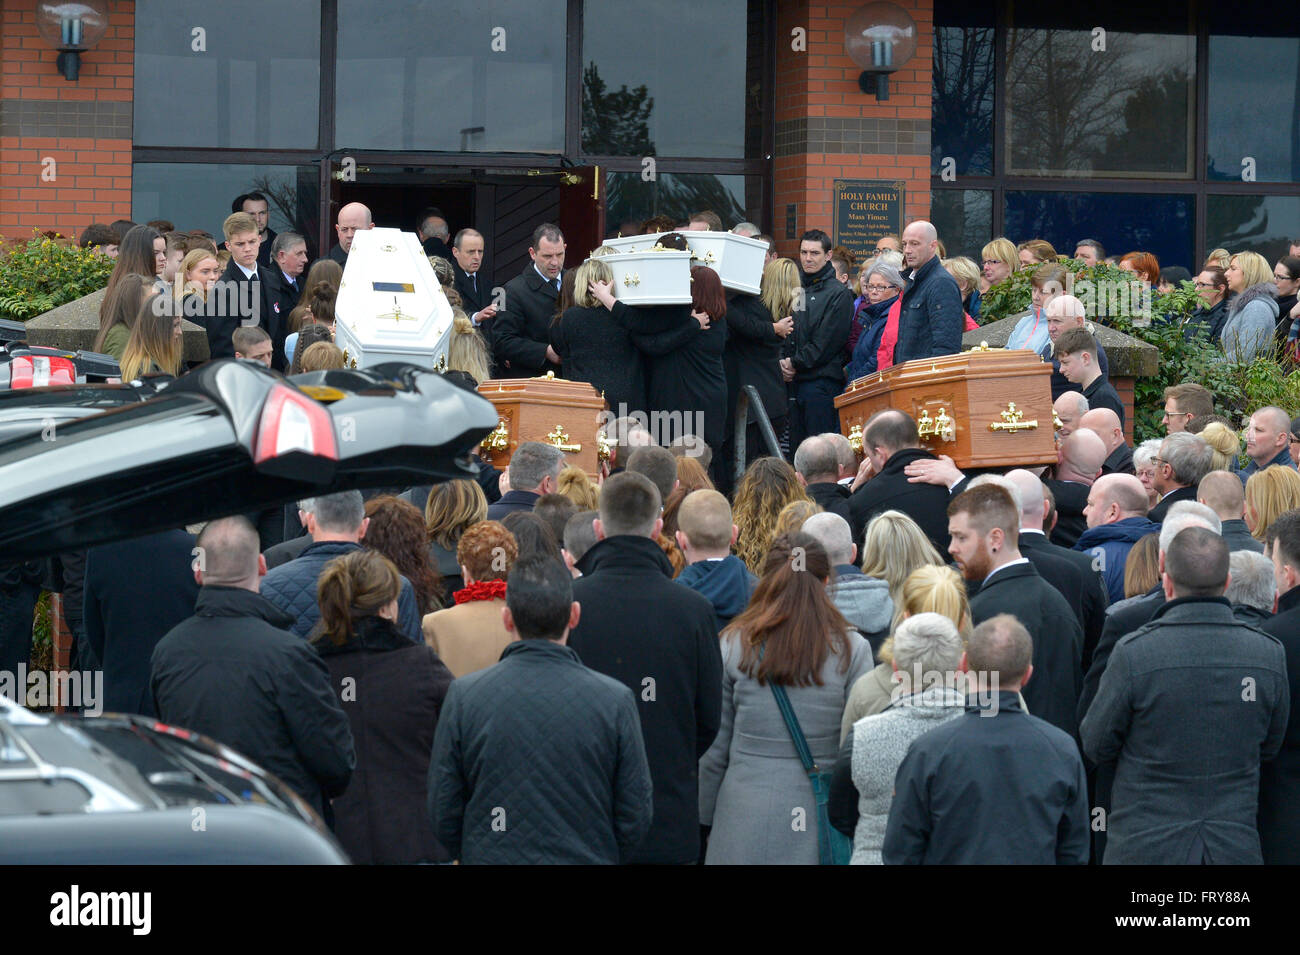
961	125
451	75
198	195
667	78
1122	222
1254	128
250	79
963	219
1116	103
631	199
1263	224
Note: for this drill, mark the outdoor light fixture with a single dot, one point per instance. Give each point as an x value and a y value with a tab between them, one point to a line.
71	27
880	38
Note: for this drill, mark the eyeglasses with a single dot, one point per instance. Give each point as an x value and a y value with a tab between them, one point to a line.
879	288
1204	284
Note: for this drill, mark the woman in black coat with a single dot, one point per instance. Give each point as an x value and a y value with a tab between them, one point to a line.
392	691
594	345
752	357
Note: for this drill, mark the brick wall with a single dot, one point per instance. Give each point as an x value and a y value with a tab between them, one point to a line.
828	129
83	126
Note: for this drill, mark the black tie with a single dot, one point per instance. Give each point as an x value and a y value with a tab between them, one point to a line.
473	283
557	286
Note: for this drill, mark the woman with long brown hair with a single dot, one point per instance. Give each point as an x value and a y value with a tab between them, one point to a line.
790	635
117	314
451	508
154	347
143	252
392	691
766	488
396	530
322	270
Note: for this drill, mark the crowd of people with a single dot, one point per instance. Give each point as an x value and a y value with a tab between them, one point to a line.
877	660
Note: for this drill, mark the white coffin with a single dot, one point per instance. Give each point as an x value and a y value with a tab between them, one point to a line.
737	260
651	278
390	305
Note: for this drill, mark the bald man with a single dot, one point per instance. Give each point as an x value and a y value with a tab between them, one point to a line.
1117	516
1104	423
1081	458
1063	312
1268	441
352	218
932	318
1070	408
1222	493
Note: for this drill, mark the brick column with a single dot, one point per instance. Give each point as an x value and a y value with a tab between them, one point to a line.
828	129
84	127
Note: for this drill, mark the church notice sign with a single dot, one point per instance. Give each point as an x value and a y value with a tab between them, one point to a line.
865	210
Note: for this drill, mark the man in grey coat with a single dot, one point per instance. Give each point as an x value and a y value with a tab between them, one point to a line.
1188	707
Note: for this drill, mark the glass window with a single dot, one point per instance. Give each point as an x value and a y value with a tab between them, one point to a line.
1254	99
1121	222
198	195
1264	224
961	125
631	199
240	73
667	79
1111	100
451	75
964	220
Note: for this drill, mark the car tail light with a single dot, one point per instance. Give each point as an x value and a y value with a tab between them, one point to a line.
36	371
293	422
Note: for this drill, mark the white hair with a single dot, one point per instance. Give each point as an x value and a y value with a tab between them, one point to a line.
1187	514
1252	583
1146	452
834	534
930	643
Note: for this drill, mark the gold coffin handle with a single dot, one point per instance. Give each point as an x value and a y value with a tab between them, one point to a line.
855	438
498	439
559	438
1013	420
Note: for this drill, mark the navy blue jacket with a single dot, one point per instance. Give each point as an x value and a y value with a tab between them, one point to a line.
1110	544
726	583
873	319
932	319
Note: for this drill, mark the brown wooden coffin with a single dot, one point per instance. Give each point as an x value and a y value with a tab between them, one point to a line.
983	408
551	410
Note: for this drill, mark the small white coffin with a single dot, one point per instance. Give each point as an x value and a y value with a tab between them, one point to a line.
651	278
737	259
390	305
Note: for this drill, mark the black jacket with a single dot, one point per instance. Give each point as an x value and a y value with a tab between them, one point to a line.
685	377
821	329
660	640
1053	691
834	498
1119	461
1071	498
264	250
539	760
1157	514
281	299
1007	789
286	551
510	502
477	294
1207	323
927	504
338	255
136	591
1102	394
932	319
235	673
594	346
392	692
239	300
753	355
1279	784
1238	537
520	335
1075	576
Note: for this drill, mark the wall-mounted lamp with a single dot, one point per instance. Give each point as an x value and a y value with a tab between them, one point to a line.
880	38
71	27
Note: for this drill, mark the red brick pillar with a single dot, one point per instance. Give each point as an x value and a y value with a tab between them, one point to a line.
828	129
62	638
65	147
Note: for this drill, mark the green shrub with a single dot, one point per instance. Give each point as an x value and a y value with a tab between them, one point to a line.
44	273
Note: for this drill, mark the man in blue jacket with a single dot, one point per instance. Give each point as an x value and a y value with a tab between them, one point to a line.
1117	516
932	318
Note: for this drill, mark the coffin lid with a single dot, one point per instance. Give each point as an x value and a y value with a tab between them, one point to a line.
554	389
993	363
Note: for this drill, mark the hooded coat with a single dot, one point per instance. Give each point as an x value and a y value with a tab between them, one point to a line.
726	583
1110	544
1252	318
865	603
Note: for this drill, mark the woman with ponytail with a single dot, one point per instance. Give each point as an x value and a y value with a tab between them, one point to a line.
792	636
392	691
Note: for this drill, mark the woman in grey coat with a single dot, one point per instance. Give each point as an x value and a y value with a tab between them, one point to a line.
753	788
927	652
1252	313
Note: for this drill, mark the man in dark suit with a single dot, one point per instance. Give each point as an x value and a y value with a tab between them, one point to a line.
474	286
890	443
283	280
521	342
1279	785
242	295
534	470
1184	459
352	218
255	204
1106	425
1082	455
817	465
984	525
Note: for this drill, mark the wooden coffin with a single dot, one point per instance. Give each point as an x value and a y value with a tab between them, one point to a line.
566	414
983	408
651	278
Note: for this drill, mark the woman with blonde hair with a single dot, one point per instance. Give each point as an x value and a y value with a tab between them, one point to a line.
451	508
466	349
1141	567
1224	444
1269	494
967	276
322	356
780	288
892	547
154	347
1035	252
932	588
197	274
1000	259
574	484
1218	257
793	515
766	488
392	691
595	344
1253	310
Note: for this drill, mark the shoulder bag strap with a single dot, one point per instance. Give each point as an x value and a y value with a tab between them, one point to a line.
792	724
